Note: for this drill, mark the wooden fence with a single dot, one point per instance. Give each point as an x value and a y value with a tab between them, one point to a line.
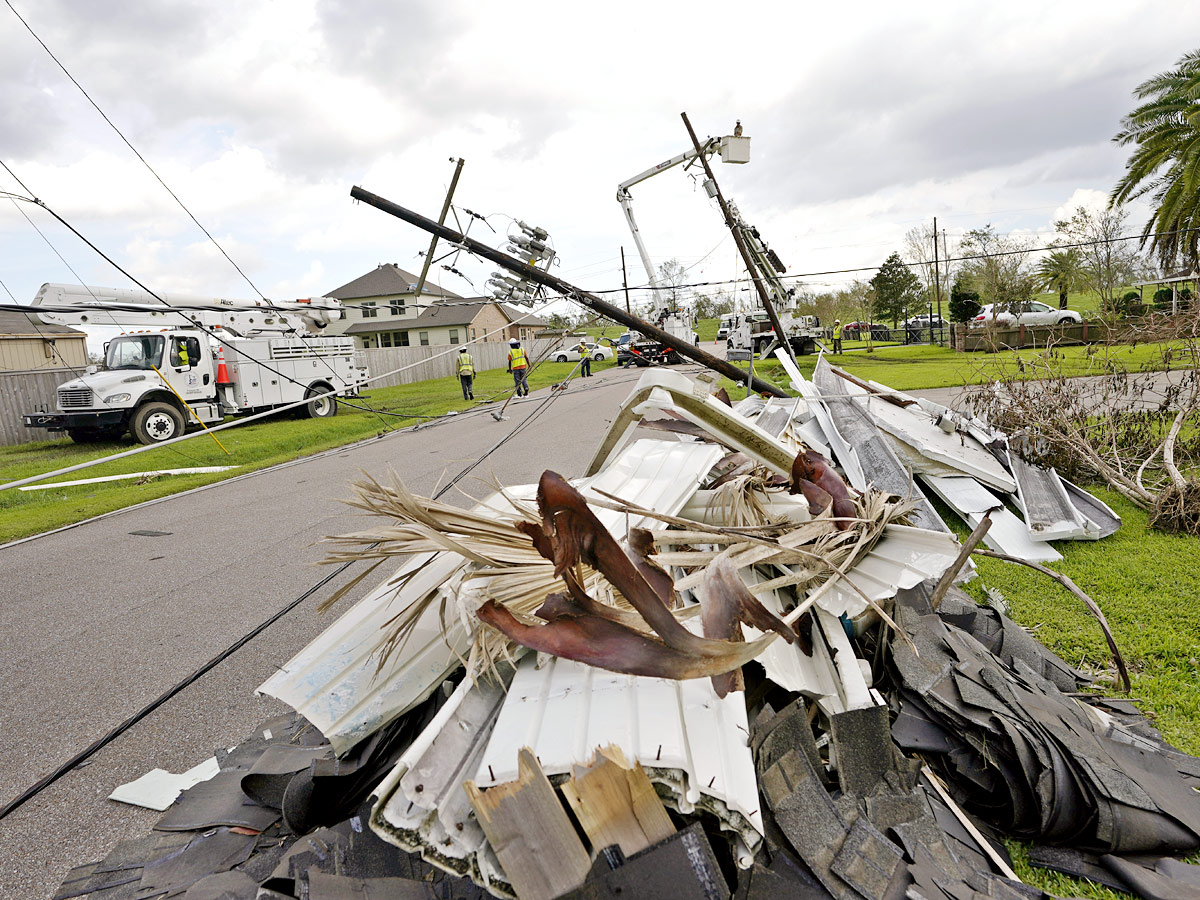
31	390
487	355
989	337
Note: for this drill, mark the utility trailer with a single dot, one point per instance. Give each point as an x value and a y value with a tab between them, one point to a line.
182	361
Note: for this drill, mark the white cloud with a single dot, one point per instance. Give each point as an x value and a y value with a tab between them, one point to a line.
867	119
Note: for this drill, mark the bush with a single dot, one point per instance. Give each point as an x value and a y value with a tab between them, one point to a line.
964	303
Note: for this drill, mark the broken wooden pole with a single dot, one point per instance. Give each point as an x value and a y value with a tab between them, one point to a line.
683	348
755	275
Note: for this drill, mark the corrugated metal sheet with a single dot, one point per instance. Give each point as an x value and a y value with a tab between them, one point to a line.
1007	534
335	681
1049	513
959	451
691	743
661	390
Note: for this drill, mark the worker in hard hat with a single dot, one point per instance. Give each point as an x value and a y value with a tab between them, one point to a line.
518	364
585	361
466	374
837	335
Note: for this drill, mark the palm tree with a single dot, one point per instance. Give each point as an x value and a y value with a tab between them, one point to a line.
1165	130
1058	271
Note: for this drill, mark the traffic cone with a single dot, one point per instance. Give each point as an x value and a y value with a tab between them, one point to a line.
222	372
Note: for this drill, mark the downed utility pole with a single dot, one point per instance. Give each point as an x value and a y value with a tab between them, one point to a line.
755	275
683	348
441	221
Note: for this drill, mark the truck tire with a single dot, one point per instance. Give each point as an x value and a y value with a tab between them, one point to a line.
322	407
156	422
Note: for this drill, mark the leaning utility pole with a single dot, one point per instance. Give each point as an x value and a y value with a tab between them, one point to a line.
524	270
937	277
625	281
441	221
755	276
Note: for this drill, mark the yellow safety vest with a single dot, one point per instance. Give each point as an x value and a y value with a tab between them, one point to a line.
516	358
837	332
466	365
583	350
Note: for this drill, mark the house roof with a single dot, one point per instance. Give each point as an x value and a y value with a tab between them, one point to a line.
24	324
445	315
387	279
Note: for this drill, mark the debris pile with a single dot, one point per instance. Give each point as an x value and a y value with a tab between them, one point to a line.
727	661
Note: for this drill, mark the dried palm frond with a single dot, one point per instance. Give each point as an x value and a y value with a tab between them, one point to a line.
499	562
741	500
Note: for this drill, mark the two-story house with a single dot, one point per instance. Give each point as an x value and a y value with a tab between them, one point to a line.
383	311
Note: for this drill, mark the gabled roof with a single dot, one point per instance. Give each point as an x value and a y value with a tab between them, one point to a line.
445	315
386	280
24	324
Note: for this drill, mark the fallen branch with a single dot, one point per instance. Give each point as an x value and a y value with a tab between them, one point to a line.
1071	586
947	579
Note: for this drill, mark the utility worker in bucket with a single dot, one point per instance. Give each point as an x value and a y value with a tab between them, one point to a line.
518	364
837	335
466	374
585	361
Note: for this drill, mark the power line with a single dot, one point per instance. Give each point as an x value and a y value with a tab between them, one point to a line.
104	116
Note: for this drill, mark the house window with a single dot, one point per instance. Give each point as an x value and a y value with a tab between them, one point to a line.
424	338
385	339
454	335
369	310
396	307
401	338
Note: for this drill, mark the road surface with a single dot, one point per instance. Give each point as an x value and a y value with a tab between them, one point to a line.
101	618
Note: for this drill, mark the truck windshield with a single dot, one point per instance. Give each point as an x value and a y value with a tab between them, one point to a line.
143	351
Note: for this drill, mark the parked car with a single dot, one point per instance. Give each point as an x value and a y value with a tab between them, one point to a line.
860	330
1031	312
595	351
923	320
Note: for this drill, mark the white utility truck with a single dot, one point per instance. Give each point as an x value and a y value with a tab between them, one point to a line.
181	360
751	332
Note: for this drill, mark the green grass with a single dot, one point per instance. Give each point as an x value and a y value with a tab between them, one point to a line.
927	366
254	446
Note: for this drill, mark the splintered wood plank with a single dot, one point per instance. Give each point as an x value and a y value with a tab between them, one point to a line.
530	832
616	804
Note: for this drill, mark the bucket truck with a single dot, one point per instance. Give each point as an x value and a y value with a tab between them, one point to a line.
751	331
181	360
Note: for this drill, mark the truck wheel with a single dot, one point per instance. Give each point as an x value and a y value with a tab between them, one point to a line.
322	407
156	422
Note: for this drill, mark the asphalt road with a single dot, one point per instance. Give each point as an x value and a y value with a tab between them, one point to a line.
99	620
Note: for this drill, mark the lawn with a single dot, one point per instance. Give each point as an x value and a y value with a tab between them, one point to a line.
927	366
254	446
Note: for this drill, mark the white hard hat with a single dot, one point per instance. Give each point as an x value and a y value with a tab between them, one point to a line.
512	342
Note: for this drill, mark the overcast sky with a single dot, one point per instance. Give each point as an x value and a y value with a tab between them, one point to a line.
866	119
